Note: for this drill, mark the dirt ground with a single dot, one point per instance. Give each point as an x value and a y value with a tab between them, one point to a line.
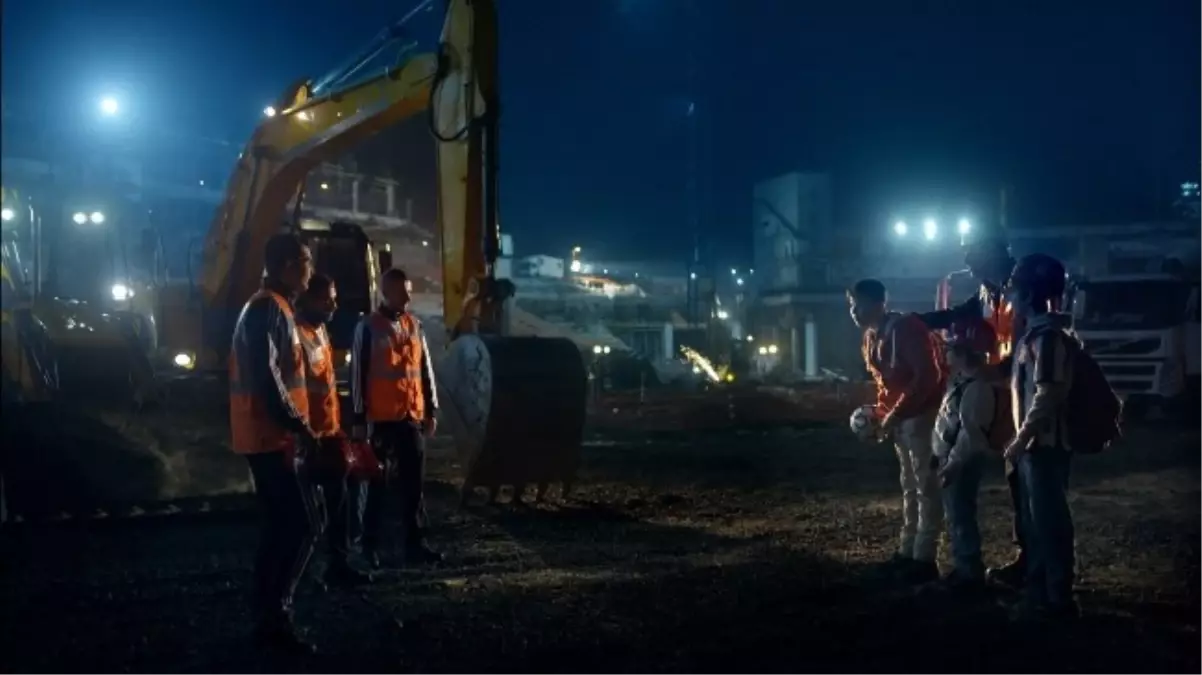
713	551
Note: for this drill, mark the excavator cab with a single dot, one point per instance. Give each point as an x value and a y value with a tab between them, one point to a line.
343	252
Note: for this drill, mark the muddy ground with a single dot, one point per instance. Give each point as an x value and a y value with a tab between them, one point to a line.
715	551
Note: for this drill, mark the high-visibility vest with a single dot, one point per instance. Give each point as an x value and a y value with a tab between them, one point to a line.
252	428
1000	315
394	376
320	381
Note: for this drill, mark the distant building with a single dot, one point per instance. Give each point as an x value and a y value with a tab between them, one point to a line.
544	266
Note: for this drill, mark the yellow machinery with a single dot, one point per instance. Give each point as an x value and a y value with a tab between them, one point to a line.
515	404
89	347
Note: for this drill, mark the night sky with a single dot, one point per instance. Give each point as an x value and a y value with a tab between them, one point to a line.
1090	111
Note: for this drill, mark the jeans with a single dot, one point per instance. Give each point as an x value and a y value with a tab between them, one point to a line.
1016	500
960	505
401	447
1047	525
290	529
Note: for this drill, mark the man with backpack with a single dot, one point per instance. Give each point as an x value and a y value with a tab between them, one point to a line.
1062	406
974	423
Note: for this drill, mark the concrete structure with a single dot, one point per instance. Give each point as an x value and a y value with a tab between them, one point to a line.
791	225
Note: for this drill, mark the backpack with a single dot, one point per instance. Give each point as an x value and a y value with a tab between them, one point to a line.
1093	412
1001	427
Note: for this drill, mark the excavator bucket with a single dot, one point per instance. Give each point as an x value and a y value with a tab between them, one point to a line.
516	406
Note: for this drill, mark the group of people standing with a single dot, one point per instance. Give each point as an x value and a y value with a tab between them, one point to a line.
286	419
997	382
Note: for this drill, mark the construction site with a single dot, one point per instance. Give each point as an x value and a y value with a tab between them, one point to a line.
640	465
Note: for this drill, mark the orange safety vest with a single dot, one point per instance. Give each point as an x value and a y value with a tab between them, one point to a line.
252	429
320	381
1000	317
394	376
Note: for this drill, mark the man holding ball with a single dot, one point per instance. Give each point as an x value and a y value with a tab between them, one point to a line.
904	358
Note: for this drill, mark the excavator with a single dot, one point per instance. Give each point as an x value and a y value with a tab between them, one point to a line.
516	403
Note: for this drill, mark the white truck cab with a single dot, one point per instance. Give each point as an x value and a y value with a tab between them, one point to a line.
1143	330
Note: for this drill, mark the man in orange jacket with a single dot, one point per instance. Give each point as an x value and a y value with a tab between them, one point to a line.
395	401
315	309
905	360
269	420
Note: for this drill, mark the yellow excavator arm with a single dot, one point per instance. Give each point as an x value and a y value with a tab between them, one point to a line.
516	404
307	131
456	86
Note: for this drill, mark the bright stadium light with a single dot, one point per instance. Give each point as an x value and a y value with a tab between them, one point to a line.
109	106
930	229
900	228
80	217
269	111
7	214
964	226
97	218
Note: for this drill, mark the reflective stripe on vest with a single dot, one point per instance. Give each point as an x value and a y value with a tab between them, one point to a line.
394	376
252	428
320	380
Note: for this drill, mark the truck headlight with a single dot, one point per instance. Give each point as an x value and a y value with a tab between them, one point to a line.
121	292
184	360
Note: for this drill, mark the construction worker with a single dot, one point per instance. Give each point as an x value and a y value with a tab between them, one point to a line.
904	359
269	420
394	397
315	309
1040	384
989	261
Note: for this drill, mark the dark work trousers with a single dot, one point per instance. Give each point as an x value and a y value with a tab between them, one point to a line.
341	509
401	448
291	526
1016	500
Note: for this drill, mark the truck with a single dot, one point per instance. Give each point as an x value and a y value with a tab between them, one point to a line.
1144	332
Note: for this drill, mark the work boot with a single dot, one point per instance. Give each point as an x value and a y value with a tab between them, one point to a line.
421	554
1012	574
919	572
278	634
342	575
892	567
961	584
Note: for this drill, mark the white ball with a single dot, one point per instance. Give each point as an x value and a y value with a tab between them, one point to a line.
862	422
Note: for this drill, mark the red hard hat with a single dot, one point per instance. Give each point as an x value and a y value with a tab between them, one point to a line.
977	335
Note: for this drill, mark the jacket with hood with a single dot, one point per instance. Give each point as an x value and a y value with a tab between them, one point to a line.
903	356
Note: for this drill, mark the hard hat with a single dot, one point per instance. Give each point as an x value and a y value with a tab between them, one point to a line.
975	334
987	247
1040	276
